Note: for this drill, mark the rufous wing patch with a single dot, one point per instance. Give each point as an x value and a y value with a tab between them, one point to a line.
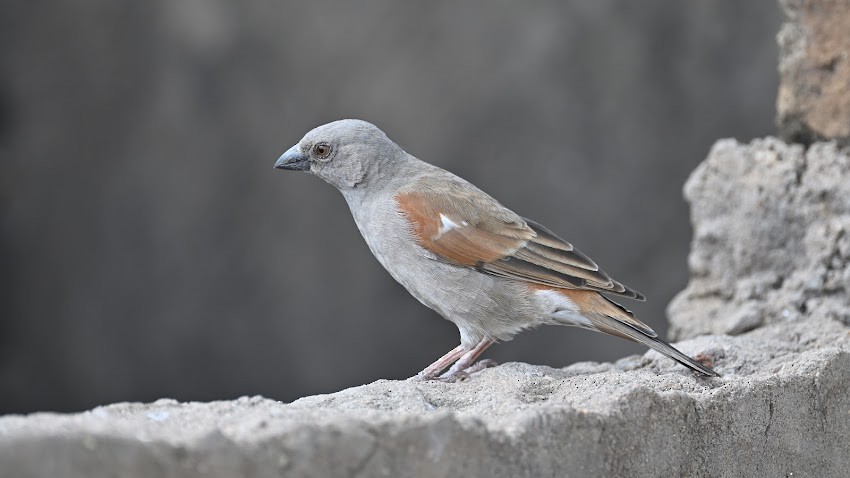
446	232
464	226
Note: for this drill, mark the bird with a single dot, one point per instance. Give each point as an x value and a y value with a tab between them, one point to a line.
457	250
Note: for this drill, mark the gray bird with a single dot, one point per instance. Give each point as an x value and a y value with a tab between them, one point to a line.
461	253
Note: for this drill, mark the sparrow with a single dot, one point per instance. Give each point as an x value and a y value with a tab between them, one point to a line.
460	252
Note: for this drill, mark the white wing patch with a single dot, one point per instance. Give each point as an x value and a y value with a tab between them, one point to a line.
446	225
562	310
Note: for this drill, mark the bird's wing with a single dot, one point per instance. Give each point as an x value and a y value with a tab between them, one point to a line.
464	226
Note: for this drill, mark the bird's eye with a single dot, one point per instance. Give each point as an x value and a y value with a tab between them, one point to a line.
322	150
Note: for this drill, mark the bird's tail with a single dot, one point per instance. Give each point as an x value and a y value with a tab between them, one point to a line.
616	320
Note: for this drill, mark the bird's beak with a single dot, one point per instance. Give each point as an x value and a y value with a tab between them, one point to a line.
293	159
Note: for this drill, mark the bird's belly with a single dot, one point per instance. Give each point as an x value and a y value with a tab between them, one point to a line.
481	305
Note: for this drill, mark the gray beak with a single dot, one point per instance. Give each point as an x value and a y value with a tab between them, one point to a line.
293	159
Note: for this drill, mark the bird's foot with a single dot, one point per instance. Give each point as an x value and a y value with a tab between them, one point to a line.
450	376
481	365
464	364
457	375
453	376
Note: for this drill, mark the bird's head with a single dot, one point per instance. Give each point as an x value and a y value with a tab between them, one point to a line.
343	153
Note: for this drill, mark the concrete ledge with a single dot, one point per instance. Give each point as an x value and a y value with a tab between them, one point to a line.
781	407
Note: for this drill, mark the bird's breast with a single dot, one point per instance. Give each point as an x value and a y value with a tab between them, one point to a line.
480	304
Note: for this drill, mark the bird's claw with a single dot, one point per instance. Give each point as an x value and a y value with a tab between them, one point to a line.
481	365
454	376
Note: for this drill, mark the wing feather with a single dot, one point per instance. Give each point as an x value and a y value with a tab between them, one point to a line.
464	226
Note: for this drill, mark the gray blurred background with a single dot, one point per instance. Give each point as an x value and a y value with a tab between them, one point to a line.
150	250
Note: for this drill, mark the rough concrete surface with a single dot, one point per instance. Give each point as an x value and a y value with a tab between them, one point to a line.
769	275
781	408
814	68
771	238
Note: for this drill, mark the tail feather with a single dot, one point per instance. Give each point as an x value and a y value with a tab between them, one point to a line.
591	309
614	326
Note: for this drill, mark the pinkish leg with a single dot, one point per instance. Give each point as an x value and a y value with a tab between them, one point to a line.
466	365
433	371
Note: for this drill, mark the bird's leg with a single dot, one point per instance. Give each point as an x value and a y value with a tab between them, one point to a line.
466	365
433	371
